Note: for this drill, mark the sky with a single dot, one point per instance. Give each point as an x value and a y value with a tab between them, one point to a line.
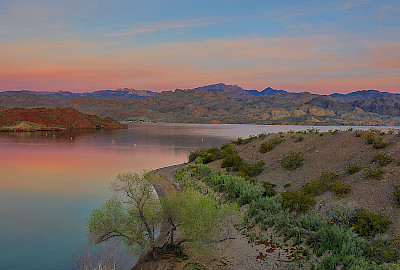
320	46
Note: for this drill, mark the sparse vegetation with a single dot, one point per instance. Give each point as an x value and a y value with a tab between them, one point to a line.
242	141
341	188
353	168
297	201
367	223
358	133
384	251
270	144
376	139
382	158
269	189
298	138
207	155
375	173
324	184
330	237
293	160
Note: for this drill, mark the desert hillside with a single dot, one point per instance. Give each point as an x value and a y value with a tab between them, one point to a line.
309	200
333	152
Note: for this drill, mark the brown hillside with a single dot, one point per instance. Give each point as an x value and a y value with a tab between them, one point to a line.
332	152
40	118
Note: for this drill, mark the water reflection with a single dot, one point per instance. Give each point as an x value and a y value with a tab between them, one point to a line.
49	182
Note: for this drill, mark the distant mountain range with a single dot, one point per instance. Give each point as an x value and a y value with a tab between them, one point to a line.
119	93
221	103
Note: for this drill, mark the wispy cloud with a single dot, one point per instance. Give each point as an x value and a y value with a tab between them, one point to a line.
162	26
352	4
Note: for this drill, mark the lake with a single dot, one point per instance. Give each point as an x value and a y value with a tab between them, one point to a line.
49	182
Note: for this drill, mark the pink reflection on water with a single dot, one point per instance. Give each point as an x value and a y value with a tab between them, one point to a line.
76	170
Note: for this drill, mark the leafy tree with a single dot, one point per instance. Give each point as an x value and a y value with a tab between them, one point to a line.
135	211
202	218
131	216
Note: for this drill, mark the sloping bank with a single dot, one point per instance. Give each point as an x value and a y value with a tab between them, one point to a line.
164	187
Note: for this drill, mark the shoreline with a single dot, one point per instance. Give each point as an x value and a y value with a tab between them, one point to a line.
163	187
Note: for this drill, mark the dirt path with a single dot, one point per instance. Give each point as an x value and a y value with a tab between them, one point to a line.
163	187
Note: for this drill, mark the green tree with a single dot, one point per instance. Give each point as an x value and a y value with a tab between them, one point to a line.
202	219
135	211
132	215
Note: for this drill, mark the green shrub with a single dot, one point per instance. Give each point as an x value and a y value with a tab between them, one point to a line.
265	206
324	184
242	141
293	160
382	158
231	158
207	155
270	144
195	154
297	201
276	140
266	147
376	173
358	133
397	194
353	168
299	138
382	251
269	189
341	188
367	223
376	140
251	169
340	214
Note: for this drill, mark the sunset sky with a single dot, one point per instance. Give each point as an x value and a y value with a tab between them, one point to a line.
318	46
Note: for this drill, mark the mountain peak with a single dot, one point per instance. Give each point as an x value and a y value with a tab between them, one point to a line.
221	87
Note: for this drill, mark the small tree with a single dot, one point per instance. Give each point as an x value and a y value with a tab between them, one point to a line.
131	215
202	218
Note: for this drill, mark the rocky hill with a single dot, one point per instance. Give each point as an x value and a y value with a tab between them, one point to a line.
220	103
310	200
22	119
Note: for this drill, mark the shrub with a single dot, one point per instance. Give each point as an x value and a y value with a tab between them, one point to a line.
324	184
299	138
368	223
270	144
211	154
340	214
195	154
358	133
242	141
207	155
251	169
341	188
266	147
376	140
382	251
269	189
297	201
353	168
293	160
231	158
376	173
382	158
397	194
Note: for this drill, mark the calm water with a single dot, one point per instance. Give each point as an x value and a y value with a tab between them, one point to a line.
49	182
